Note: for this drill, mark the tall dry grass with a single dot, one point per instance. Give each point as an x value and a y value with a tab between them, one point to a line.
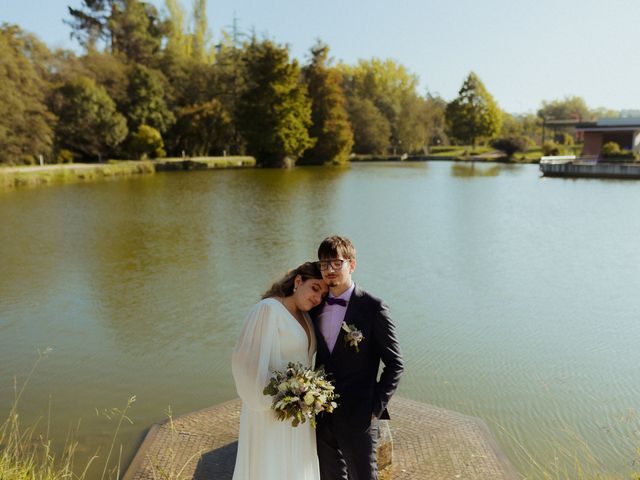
27	452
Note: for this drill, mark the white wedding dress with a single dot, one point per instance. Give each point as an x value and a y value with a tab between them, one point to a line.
269	449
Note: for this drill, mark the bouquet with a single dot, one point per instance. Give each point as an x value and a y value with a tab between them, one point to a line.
300	393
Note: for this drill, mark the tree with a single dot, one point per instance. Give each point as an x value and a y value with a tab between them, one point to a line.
130	27
391	89
190	84
202	129
147	142
511	126
230	83
435	119
146	104
371	130
510	145
89	22
603	112
330	123
473	113
274	111
88	123
110	71
531	127
136	30
178	40
25	123
201	36
412	126
569	108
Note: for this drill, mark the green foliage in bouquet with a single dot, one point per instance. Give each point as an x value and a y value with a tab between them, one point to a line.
300	393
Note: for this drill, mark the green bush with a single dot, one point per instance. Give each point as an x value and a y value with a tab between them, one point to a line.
64	156
510	145
147	142
564	139
612	151
552	149
609	149
443	148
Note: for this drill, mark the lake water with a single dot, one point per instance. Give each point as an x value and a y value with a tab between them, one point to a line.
516	297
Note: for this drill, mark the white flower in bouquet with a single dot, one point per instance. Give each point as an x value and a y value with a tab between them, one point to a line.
300	394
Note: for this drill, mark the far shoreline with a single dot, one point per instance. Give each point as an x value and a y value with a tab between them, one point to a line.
50	174
16	176
481	158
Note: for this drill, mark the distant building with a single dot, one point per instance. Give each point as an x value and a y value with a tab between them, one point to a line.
624	131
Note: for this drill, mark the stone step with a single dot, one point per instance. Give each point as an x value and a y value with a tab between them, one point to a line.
419	442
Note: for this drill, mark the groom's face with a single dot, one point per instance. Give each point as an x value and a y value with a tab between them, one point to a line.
337	278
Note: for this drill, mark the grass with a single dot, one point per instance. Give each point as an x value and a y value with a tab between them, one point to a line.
12	177
374	158
170	467
26	453
203	163
573	459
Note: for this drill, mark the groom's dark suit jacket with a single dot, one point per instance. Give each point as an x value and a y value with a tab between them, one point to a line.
355	374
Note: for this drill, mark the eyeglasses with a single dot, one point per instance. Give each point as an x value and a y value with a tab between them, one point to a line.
336	264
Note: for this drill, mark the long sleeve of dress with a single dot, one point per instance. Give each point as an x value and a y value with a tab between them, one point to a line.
251	359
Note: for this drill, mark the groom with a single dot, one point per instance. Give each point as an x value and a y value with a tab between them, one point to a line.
354	333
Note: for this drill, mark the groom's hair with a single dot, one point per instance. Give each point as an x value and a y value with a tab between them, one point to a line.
336	246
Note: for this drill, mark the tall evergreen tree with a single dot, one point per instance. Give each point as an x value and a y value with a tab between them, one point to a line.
25	130
474	113
274	111
136	31
230	82
330	122
89	22
130	27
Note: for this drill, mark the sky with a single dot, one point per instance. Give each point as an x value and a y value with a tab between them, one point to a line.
525	51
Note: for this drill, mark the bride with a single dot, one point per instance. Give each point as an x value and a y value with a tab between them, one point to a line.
277	331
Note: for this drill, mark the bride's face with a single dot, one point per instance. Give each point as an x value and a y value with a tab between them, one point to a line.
310	293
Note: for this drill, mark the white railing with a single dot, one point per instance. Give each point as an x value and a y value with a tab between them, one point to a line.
558	159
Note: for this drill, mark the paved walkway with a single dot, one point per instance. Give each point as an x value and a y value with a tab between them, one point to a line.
428	443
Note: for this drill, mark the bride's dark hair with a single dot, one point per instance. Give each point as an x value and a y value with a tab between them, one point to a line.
284	286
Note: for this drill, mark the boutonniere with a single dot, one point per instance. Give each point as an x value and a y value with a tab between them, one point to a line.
353	336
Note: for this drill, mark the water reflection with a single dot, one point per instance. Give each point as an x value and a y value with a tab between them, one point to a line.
154	256
468	170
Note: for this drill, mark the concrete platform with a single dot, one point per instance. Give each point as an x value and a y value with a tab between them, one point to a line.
427	443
